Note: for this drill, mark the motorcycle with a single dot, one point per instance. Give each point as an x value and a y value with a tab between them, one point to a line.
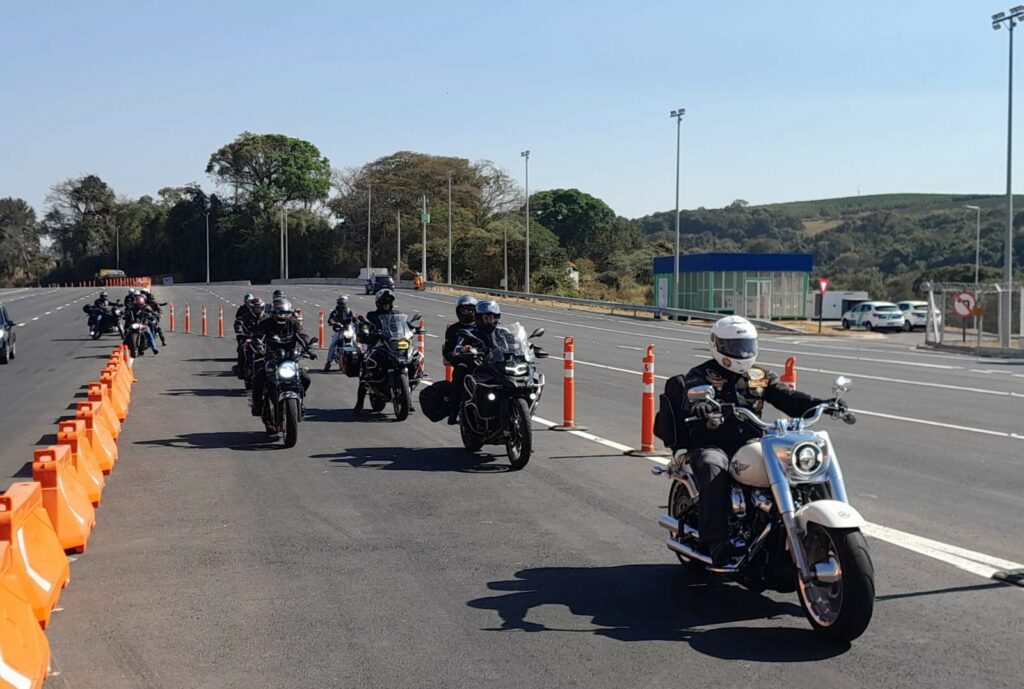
343	351
392	367
791	519
501	395
139	334
283	394
104	320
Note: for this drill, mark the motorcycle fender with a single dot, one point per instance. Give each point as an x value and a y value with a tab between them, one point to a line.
288	395
831	514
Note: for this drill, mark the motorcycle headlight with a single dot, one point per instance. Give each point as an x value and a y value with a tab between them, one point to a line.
403	344
516	369
807	459
288	369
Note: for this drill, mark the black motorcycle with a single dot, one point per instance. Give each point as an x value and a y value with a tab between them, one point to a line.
104	320
392	367
140	332
501	395
283	394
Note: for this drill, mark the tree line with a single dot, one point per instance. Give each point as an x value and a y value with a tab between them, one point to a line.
264	180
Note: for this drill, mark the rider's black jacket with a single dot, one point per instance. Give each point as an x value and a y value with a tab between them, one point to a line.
153	304
373	317
751	390
248	321
138	314
451	338
340	317
103	303
269	327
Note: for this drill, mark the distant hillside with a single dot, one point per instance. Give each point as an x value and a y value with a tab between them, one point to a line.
900	203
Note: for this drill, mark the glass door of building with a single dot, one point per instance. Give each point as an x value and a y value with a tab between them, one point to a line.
757	299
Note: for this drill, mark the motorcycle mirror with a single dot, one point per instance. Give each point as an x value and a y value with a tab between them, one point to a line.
700	393
841	386
415	317
537	333
313	341
540	353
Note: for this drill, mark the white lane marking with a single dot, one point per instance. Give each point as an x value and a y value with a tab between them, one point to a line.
36	318
431	335
968	560
48	313
587	436
952	426
635	349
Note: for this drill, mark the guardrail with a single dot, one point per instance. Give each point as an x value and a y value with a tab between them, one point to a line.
656	311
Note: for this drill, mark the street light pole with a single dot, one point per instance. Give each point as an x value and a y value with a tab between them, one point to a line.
369	208
423	259
449	229
1011	20
207	214
398	249
117	247
678	115
526	282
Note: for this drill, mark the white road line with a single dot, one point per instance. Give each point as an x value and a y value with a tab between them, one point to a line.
953	426
36	318
635	349
587	436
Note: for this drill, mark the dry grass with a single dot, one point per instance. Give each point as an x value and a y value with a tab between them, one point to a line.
813	227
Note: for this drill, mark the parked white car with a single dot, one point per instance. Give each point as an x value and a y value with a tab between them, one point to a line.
915	314
874	315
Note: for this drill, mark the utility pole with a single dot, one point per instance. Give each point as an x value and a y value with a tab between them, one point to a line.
678	114
398	248
207	214
526	282
423	260
117	247
449	228
369	208
281	233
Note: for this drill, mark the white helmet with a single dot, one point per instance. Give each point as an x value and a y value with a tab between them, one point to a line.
734	343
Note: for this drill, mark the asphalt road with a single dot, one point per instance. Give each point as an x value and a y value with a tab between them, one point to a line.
380	554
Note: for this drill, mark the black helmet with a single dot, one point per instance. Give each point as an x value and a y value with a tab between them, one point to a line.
103	295
283	310
384	296
278	294
343	301
465	309
256	305
485	308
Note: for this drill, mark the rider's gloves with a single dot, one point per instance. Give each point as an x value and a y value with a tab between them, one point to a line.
702	410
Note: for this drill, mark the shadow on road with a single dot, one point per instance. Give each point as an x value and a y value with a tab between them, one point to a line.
206	392
657	603
946	591
232	440
422	459
223	360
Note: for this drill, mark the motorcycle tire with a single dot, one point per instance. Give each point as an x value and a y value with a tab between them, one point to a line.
401	397
470	440
679	506
133	345
377	403
521	430
95	334
291	422
855	591
5	354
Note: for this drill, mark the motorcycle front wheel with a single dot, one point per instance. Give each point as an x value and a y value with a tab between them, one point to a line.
470	440
95	334
519	443
839	610
291	422
401	396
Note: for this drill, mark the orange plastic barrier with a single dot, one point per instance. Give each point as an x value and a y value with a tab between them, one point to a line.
72	433
421	345
569	388
103	446
188	319
449	372
115	393
121	378
24	650
64	496
98	393
789	374
36	556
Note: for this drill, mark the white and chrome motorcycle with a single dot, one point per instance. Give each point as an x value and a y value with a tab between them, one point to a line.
791	519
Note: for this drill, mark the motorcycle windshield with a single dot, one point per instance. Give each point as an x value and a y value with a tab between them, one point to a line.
511	343
395	326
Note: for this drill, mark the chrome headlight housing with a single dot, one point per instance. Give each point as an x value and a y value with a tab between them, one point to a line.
516	369
807	459
287	370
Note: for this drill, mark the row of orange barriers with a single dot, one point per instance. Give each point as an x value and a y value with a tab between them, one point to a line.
44	519
107	282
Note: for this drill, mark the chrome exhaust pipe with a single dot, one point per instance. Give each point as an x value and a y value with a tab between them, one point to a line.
672	525
687	552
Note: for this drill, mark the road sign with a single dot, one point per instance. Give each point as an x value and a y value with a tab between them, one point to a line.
823	285
425	217
964	303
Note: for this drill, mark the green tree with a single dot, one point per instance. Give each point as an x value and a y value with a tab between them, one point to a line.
20	251
80	220
271	169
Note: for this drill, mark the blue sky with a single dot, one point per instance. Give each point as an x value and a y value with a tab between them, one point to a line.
785	101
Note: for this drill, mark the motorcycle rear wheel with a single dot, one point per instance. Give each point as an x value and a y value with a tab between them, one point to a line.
680	505
519	444
839	611
291	422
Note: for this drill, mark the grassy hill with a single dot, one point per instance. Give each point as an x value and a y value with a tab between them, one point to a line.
899	203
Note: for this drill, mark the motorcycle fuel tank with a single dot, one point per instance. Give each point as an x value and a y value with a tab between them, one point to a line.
747	466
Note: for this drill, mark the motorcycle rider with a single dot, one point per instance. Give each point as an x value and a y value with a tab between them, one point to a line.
340	317
139	312
103	301
465	312
385	302
129	299
154	306
247	318
487	315
736	380
244	306
283	325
